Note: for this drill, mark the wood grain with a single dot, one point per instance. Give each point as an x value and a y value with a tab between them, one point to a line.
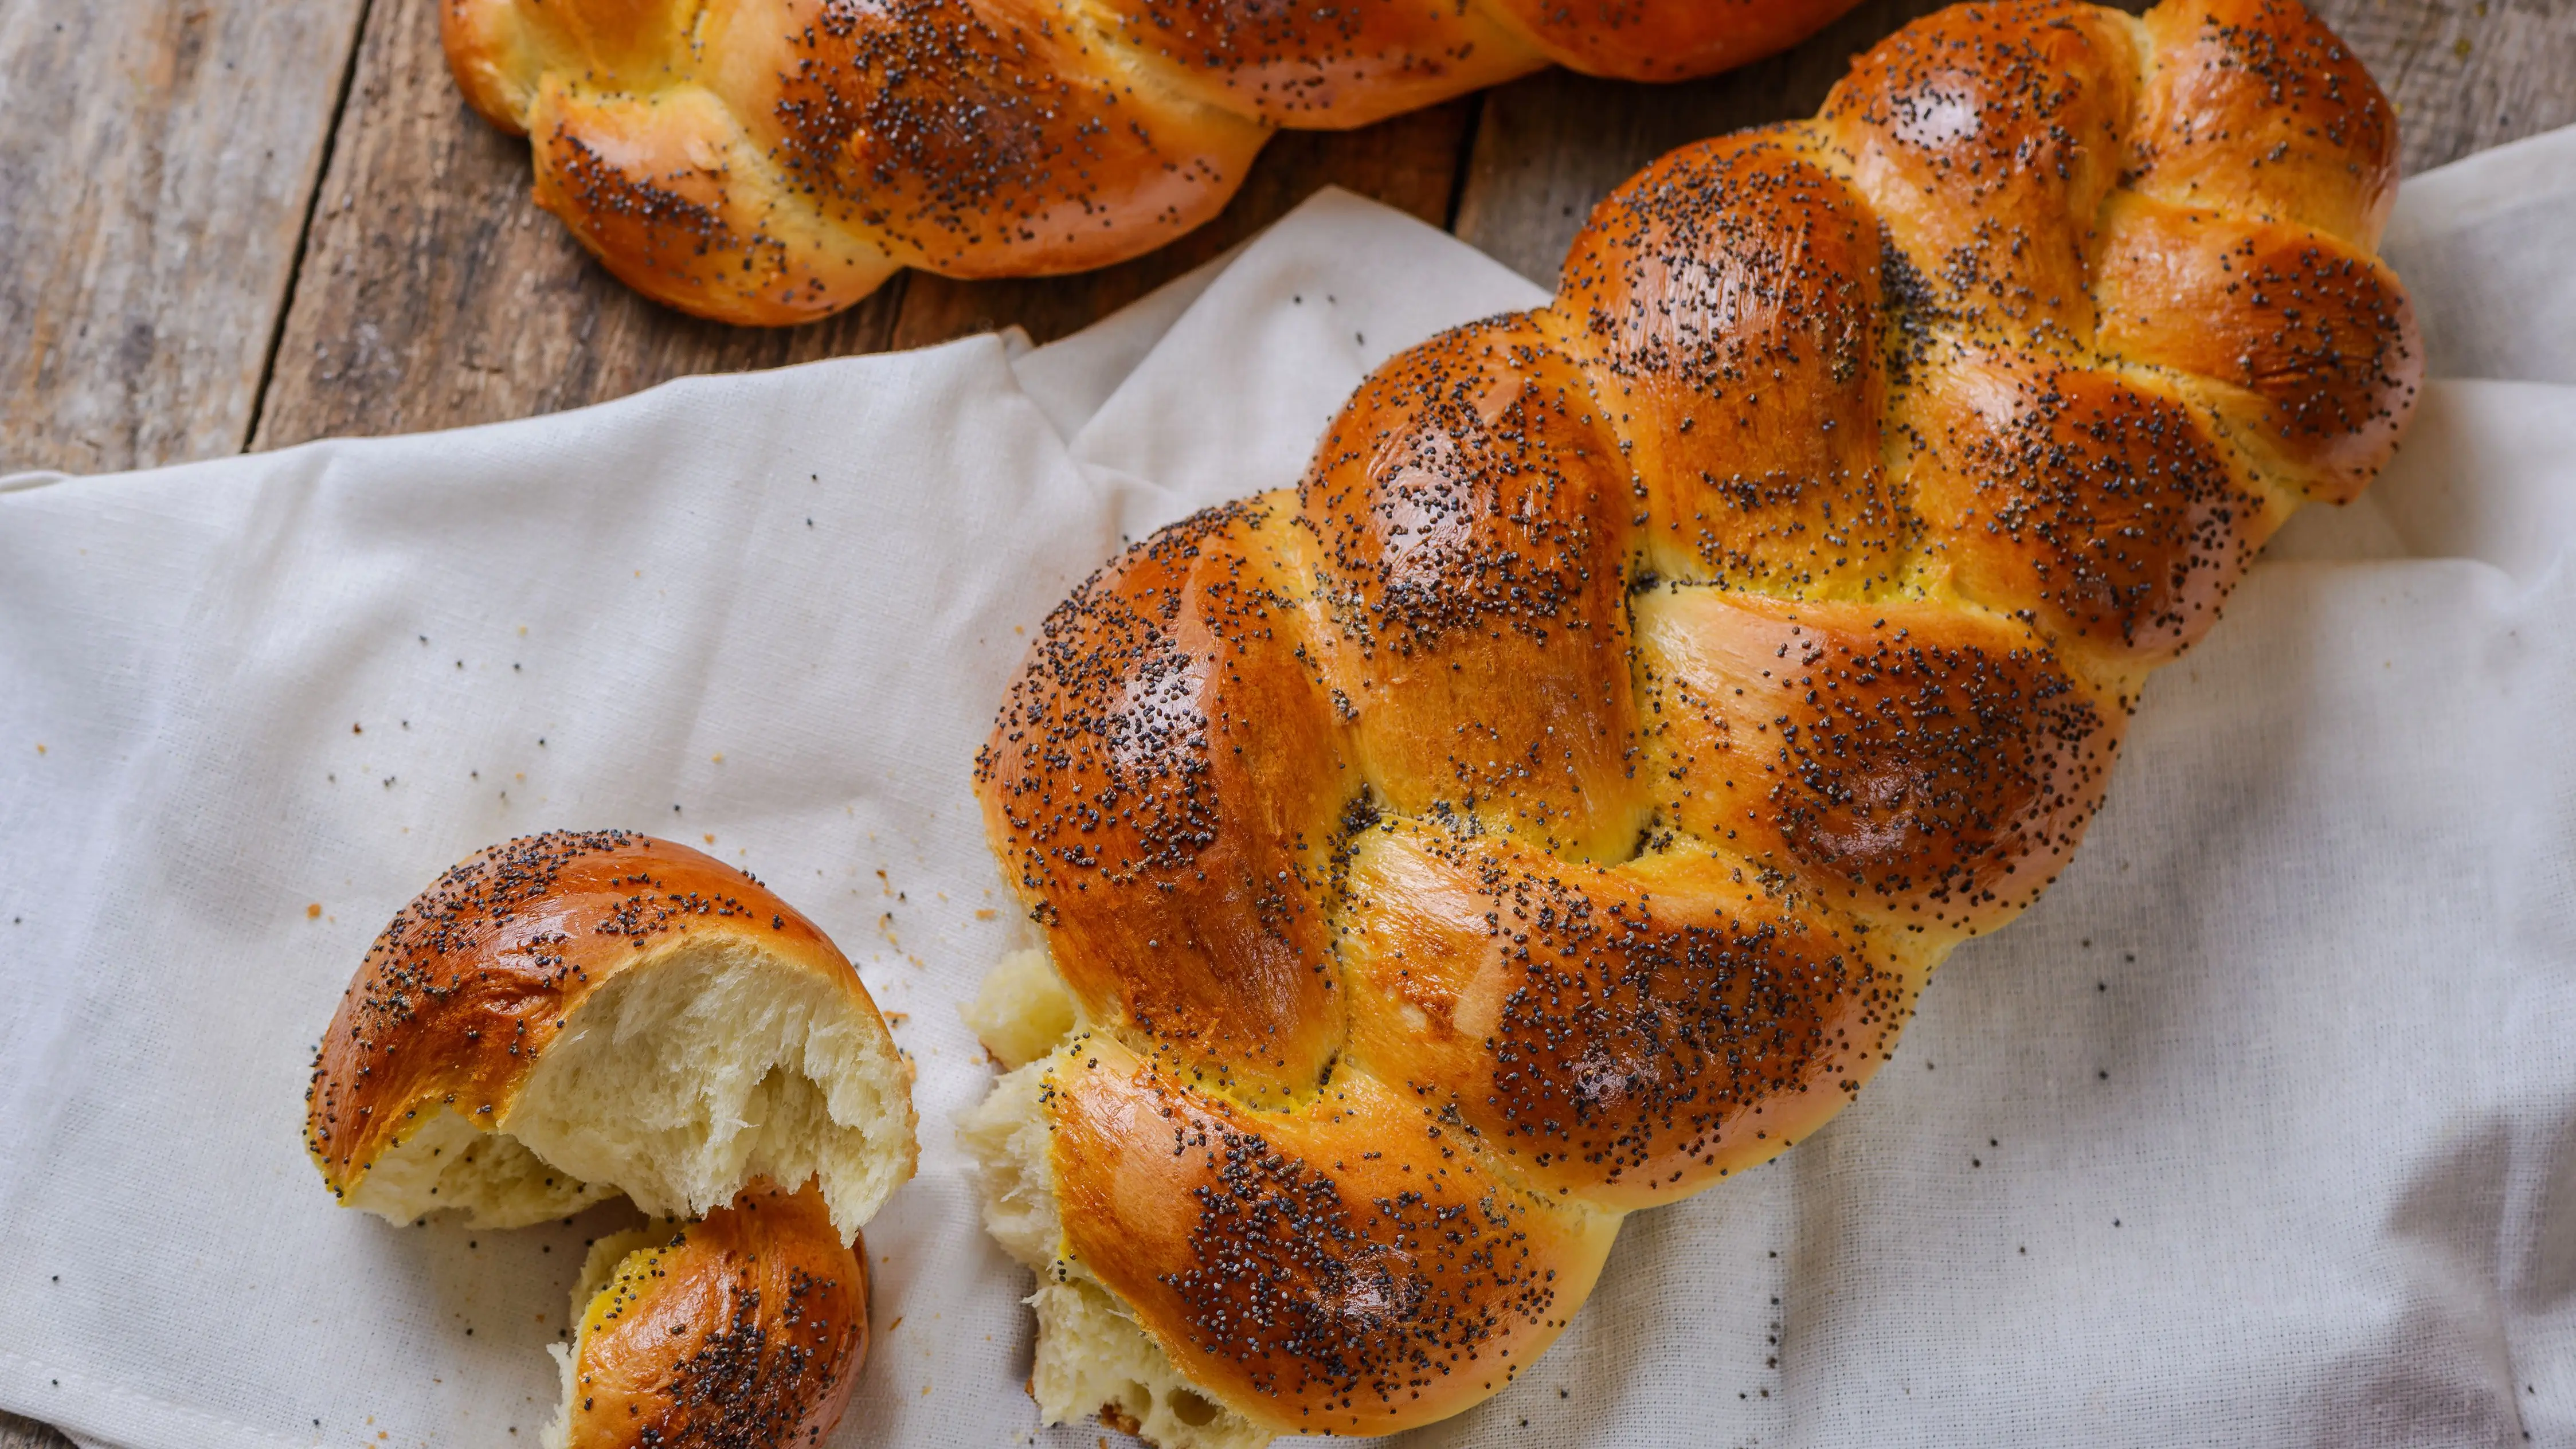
17	1433
2465	75
436	294
155	161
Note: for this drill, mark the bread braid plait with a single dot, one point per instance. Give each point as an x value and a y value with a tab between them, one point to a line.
1558	799
773	161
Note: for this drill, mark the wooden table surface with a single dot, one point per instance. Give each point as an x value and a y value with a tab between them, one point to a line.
239	224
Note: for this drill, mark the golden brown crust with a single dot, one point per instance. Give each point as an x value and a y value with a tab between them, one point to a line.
487	53
2307	344
1728	298
1670	677
466	987
970	137
1351	1267
2077	498
744	1330
669	192
1312	67
1629	1036
770	161
1154	788
1919	764
1985	135
1650	41
2254	107
1469	511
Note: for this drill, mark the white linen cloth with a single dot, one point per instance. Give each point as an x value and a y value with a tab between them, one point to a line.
2259	1130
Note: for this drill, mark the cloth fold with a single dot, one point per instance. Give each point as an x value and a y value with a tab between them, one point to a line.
2260	1129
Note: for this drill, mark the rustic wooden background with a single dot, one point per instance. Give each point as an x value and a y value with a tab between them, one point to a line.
239	224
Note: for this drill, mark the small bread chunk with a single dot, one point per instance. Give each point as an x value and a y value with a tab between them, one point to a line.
746	1328
1092	1355
1022	1011
570	1016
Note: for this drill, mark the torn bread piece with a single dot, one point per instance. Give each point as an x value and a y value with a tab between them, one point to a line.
574	1015
745	1328
1093	1357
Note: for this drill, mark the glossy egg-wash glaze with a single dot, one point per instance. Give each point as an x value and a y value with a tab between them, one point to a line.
466	987
1592	757
745	1328
769	162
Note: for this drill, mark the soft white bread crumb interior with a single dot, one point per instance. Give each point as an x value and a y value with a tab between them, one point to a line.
1093	1359
681	1081
1007	1137
448	1164
1022	1011
1092	1355
676	1082
598	1270
558	1431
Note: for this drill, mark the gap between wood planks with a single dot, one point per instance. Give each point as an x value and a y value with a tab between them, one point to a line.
1459	176
433	293
156	157
304	233
326	241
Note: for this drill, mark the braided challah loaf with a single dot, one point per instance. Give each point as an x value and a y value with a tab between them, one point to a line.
1557	801
773	161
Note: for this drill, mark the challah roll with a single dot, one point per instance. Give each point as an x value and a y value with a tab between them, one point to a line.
575	1015
1557	801
773	161
744	1329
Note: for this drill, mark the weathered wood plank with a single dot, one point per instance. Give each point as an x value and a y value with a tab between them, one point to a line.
435	294
155	161
17	1433
1551	146
2465	75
